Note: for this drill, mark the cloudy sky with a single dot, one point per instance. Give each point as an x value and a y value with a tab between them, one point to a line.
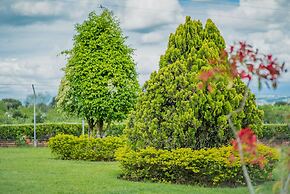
34	32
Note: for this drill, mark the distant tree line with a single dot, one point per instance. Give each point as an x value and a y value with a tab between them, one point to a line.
276	113
13	111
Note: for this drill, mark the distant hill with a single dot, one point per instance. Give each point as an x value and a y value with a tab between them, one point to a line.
271	99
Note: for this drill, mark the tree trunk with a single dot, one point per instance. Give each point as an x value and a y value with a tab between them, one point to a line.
108	125
100	126
91	126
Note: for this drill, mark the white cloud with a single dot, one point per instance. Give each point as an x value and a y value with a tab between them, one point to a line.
82	8
136	14
37	39
41	68
19	74
264	24
152	37
147	58
73	10
248	15
29	54
41	8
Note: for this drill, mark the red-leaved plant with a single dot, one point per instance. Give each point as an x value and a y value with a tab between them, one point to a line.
245	62
248	141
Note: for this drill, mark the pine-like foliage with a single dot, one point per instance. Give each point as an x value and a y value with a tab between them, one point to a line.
172	112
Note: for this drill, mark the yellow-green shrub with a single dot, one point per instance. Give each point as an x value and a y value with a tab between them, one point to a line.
71	147
206	166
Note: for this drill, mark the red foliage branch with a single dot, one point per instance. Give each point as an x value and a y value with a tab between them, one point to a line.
248	138
246	62
249	144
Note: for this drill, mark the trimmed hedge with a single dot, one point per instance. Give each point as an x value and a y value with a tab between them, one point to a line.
43	131
276	131
46	130
184	165
116	129
69	147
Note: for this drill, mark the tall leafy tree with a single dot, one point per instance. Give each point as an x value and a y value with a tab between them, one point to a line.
100	82
173	112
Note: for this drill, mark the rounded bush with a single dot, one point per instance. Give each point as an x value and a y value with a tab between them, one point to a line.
212	166
69	147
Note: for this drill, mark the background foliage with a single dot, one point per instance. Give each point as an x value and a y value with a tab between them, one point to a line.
43	131
276	132
277	113
19	113
46	130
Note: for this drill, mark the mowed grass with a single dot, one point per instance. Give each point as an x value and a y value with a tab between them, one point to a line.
34	170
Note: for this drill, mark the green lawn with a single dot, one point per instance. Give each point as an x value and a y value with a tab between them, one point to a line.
34	170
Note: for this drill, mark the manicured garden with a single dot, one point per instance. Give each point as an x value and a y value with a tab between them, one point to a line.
35	170
195	122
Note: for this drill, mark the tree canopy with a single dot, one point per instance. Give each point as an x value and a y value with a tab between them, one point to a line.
11	103
100	82
172	111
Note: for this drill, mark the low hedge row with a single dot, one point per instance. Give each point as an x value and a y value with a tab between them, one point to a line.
69	147
276	131
206	167
43	131
46	130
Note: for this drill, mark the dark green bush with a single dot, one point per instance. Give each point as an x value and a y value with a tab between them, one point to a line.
69	147
276	113
184	165
276	132
20	140
46	130
115	130
43	131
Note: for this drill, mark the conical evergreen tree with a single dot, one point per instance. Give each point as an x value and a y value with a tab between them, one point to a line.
172	112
